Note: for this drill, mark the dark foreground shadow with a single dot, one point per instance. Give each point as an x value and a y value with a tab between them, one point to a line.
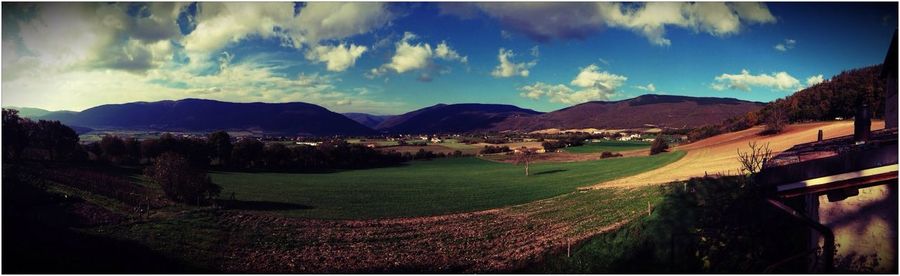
261	205
550	172
30	247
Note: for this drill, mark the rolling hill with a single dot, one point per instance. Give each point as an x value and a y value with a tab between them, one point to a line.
444	118
656	110
207	115
29	112
366	119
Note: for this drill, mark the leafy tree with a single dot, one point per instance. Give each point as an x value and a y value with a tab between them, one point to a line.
113	148
659	145
277	156
220	146
247	153
180	180
15	136
58	139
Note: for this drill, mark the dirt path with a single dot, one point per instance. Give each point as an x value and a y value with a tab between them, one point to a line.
718	154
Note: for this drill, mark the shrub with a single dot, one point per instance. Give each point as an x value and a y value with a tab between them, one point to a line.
180	181
659	145
553	146
607	154
495	149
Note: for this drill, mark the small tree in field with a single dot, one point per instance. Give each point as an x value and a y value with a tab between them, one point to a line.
180	181
658	146
776	119
524	157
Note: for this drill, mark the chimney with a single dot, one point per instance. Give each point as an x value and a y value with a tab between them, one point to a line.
862	124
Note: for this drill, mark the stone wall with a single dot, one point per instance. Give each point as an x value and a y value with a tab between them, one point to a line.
865	229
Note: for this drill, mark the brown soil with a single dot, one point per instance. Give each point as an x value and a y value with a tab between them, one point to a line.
492	240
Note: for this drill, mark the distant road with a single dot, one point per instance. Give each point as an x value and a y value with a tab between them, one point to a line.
718	154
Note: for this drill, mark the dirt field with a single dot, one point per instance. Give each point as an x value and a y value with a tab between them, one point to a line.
718	154
486	241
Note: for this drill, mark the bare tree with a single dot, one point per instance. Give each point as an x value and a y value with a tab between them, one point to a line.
753	160
524	157
776	119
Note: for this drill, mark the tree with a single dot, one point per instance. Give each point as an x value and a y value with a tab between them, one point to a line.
15	136
659	145
753	160
220	146
776	119
150	149
524	157
132	151
181	181
247	153
276	156
552	146
113	148
58	139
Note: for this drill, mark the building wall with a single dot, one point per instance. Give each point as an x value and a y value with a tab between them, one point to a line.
865	229
890	101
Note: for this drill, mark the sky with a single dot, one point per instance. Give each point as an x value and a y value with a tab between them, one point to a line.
391	58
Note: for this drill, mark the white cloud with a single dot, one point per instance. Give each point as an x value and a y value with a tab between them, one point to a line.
219	24
813	80
786	45
337	20
744	81
592	84
546	21
649	87
443	51
337	58
507	68
78	55
592	77
66	36
410	56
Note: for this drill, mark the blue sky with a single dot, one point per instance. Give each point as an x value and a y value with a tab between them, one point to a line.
389	58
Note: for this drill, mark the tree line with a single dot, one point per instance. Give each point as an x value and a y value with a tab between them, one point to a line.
840	97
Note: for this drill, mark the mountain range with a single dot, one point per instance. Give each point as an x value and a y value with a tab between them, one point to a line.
207	115
447	118
643	111
299	118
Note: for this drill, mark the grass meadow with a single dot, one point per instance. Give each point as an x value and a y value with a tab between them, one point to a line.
611	146
424	187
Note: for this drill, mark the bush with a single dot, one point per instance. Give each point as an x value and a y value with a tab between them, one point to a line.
553	146
495	149
607	154
659	145
180	181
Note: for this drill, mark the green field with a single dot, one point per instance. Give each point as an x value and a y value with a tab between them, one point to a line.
611	146
424	187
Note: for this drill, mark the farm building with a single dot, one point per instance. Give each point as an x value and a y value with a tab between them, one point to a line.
848	189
